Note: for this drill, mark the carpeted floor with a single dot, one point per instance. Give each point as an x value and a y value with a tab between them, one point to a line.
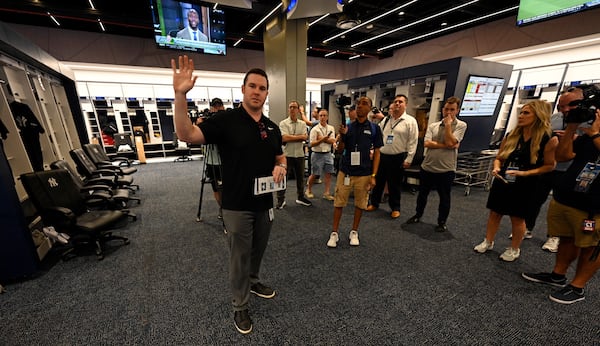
404	285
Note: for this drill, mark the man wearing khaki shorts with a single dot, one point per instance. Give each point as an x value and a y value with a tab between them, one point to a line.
357	170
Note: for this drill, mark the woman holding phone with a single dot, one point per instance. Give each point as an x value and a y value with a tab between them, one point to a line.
525	153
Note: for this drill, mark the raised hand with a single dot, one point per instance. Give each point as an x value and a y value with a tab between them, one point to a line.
183	80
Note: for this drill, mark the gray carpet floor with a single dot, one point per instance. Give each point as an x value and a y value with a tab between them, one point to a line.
404	285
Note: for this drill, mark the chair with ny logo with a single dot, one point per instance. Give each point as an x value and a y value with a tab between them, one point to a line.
59	203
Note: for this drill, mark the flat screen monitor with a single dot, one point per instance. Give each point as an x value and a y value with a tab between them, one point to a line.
481	96
531	11
188	26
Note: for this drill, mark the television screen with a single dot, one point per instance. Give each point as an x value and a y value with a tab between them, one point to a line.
531	11
481	96
189	27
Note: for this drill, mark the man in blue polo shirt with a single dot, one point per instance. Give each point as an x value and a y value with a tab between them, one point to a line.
357	169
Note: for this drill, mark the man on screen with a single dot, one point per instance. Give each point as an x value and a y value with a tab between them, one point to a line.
192	32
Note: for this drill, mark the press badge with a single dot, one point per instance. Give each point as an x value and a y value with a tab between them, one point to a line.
355	158
347	180
389	139
586	177
588	225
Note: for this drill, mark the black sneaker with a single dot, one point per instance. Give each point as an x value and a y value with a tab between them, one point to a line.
413	219
567	295
242	321
280	204
441	227
262	291
303	201
545	278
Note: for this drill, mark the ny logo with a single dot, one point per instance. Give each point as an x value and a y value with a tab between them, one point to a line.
52	182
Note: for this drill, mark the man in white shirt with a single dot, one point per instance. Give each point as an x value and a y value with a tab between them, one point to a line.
400	137
293	133
322	137
192	32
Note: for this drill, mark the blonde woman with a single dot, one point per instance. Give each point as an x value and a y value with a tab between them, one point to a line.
525	153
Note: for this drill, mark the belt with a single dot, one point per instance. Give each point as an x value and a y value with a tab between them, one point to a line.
321	152
402	153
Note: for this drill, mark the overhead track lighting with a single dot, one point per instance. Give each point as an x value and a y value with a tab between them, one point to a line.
331	53
92	5
101	25
318	19
238	42
369	21
413	23
265	18
447	28
53	19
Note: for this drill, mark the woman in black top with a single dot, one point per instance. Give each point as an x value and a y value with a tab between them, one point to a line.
525	153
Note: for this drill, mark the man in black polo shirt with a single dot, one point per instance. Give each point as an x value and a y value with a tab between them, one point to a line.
250	147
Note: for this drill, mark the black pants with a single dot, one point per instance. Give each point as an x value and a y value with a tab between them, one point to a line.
297	165
443	183
391	171
545	184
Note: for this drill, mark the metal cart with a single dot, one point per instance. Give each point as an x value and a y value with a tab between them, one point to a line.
474	169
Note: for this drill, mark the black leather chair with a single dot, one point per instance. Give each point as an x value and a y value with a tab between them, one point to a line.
113	174
60	204
99	156
412	173
96	191
182	149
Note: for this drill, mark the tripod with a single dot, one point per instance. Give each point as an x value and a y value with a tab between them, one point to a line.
211	173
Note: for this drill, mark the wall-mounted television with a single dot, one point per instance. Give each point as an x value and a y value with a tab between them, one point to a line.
531	11
189	27
481	96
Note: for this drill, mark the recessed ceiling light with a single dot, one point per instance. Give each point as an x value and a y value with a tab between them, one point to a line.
369	26
401	13
444	24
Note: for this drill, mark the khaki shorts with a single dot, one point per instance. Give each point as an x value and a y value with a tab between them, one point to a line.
360	186
565	221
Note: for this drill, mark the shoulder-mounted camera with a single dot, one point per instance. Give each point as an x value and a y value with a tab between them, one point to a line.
586	107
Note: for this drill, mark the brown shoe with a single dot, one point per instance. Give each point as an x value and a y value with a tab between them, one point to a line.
371	208
395	214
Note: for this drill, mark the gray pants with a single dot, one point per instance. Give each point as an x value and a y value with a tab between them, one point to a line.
248	234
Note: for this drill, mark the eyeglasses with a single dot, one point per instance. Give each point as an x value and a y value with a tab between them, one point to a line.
292	107
263	130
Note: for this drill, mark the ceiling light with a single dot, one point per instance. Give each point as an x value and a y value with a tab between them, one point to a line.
413	23
331	53
53	19
369	26
369	21
354	57
92	4
101	25
401	13
266	17
319	19
447	28
215	6
345	22
238	42
443	24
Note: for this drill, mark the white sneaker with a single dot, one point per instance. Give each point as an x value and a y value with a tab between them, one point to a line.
528	235
551	244
510	254
354	238
484	246
333	239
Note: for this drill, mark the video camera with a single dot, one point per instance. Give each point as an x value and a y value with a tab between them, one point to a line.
586	107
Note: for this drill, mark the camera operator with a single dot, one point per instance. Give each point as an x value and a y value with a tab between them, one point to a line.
213	160
574	212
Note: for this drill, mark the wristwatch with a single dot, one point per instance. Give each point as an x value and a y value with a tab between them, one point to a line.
282	165
595	136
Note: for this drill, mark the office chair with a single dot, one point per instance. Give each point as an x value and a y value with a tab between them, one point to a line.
112	175
96	191
413	172
94	152
60	204
98	155
182	149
